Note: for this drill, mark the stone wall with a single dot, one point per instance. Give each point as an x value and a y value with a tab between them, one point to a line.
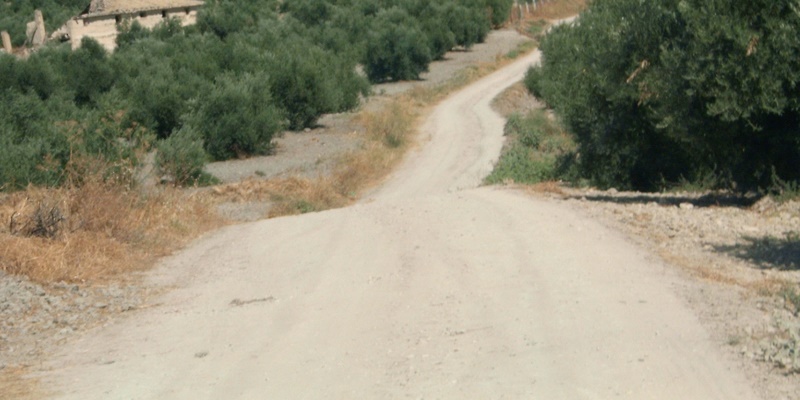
103	28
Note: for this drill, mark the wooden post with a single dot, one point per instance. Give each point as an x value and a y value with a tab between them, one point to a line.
6	42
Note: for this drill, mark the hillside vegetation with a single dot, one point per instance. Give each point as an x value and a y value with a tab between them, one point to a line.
667	92
15	14
220	89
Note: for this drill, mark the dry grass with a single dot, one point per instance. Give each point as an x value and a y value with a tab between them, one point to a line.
105	230
15	384
557	9
548	187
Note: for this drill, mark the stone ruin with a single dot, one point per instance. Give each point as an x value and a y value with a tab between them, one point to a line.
35	32
6	42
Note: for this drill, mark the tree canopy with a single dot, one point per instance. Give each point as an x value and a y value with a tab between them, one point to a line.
247	70
664	91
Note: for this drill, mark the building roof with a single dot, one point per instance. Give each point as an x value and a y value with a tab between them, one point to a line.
108	7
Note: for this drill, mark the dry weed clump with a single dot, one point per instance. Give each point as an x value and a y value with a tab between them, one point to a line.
559	9
388	133
94	231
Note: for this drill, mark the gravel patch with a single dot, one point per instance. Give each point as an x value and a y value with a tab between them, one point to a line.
35	318
734	253
308	153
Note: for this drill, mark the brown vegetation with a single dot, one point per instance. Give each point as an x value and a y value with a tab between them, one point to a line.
96	230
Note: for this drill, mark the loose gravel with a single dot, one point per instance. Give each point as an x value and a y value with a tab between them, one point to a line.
739	251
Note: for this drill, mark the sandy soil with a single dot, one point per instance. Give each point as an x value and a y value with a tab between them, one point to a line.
430	288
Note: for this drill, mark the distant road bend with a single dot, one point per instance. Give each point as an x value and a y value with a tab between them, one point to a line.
430	288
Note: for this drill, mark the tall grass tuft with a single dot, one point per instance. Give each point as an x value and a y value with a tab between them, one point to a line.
538	150
95	228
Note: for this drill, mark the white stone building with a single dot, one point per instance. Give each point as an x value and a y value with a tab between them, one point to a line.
102	17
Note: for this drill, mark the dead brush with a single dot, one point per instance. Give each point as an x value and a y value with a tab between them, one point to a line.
96	230
45	220
558	9
289	196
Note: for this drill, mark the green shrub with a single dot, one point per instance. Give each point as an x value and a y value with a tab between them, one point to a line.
397	48
182	158
236	117
469	25
662	92
499	11
308	81
89	73
521	164
128	33
539	150
440	38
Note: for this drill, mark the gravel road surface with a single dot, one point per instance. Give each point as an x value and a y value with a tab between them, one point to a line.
429	288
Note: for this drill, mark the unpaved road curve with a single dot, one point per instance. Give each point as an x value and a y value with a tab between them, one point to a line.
428	289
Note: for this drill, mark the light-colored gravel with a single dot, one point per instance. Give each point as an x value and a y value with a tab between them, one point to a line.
738	255
35	318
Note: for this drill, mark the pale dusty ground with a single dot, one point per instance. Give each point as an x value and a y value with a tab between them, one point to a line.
429	288
34	319
734	254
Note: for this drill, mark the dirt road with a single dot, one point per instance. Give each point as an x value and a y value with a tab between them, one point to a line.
429	288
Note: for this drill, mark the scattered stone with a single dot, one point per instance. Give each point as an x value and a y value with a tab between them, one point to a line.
766	204
35	317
